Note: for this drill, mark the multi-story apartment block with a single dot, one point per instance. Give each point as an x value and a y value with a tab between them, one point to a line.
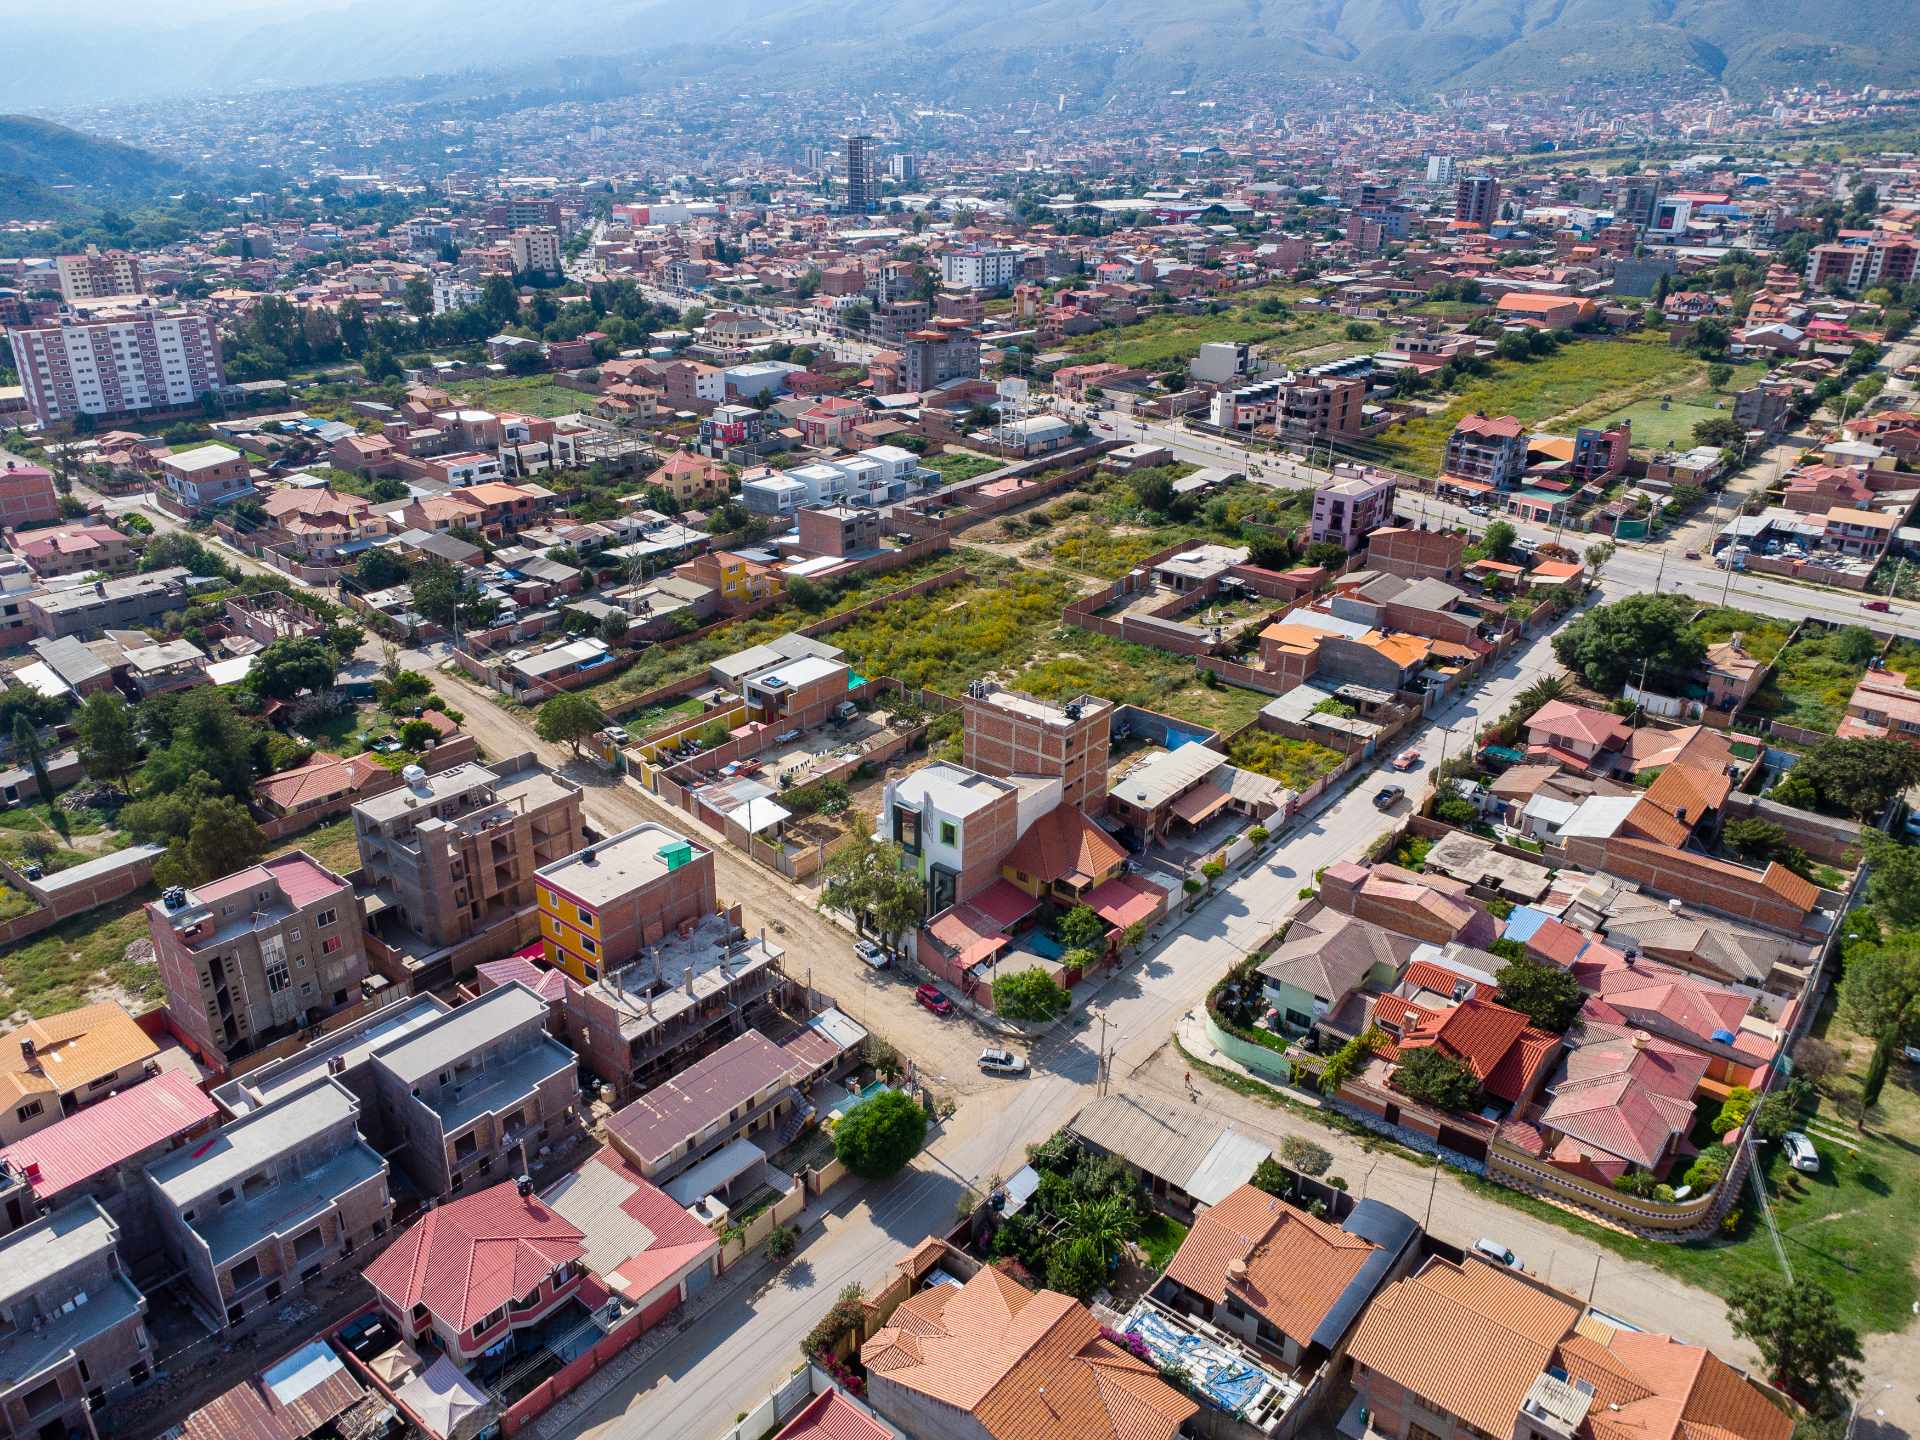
1015	736
894	320
272	1202
1476	200
119	362
258	954
601	906
1489	450
680	997
862	189
954	825
457	851
476	1092
1314	407
1351	506
1876	259
96	274
535	248
72	1324
454	292
130	602
945	351
981	268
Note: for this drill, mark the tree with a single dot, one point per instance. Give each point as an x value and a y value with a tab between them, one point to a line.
1880	996
1432	1078
1498	540
1330	553
1817	1060
177	547
1798	1331
879	1136
1082	929
1271	1176
221	840
379	570
1719	375
870	882
1029	995
1893	878
1075	1268
1753	839
1854	777
1642	634
443	594
26	741
1153	489
1718	430
569	717
104	736
290	665
417	296
1306	1156
1546	994
198	739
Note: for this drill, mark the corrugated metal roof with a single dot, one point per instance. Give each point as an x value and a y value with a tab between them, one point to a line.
108	1134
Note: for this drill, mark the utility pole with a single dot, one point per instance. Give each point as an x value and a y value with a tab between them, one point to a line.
1101	1069
1432	1185
1593	1284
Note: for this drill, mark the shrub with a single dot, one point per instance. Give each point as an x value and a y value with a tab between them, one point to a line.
1708	1167
879	1136
1734	1110
1305	1155
1030	995
1436	1079
1269	1175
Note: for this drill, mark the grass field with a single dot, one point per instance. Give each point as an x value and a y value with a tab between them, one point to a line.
1658	429
1813	678
1160	1237
1164	337
533	394
1606	375
331	844
954	468
81	960
1294	763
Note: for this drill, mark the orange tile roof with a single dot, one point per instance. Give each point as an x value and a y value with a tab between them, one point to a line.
1789	886
1650	821
1293	1268
1026	1365
323	777
1064	842
1689	789
71	1050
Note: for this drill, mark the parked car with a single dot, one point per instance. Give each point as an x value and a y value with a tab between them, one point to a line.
1693	554
871	953
1500	1255
930	996
1002	1062
1800	1152
1881	605
1408	759
1388	796
786	737
617	734
1482	510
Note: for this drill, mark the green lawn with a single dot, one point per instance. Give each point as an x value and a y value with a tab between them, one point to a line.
332	844
1813	678
954	468
1578	375
1668	428
533	394
1178	336
1128	674
79	960
1160	1237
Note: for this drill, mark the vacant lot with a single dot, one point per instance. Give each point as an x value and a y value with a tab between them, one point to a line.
955	467
1104	531
533	394
80	961
332	844
1294	763
1163	338
1607	375
1814	677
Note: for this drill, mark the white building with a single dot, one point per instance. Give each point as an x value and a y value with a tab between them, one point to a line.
979	269
95	274
535	248
117	362
1439	169
450	292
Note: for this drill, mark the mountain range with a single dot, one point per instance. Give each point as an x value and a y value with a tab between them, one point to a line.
949	46
49	172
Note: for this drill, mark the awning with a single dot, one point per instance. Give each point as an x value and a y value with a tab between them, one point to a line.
719	1169
1201	802
1004	904
762	814
396	1366
1127	900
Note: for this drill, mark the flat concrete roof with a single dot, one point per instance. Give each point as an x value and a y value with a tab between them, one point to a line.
455	1034
616	866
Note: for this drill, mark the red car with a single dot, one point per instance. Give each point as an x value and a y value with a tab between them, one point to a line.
1875	605
930	996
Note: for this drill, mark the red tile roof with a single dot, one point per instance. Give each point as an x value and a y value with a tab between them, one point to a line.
1064	842
1557	718
1276	1261
110	1133
469	1257
832	1416
1504	1052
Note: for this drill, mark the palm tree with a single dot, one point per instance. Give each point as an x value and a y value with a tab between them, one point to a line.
1546	688
1107	1222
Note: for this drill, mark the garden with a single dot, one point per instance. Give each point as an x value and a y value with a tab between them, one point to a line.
1084	1222
1813	677
1294	763
956	466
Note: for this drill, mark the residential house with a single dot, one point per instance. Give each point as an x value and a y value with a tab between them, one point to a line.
1416	554
1474	1349
75	549
274	1201
1577	736
1429	907
471	1272
205	477
322	785
128	602
601	904
1485	454
1347	509
991	1360
638	1243
1327	961
55	1066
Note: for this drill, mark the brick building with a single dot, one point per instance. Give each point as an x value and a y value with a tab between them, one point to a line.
1012	735
601	905
27	496
258	954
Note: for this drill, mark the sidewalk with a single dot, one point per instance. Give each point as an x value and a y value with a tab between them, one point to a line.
561	1419
1192	1034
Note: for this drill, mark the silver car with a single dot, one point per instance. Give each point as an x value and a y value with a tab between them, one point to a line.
1002	1062
1800	1152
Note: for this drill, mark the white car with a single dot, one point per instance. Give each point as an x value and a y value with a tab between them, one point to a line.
871	954
1800	1152
1500	1255
1002	1062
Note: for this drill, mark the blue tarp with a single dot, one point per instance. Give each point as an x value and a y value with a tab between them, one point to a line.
1523	923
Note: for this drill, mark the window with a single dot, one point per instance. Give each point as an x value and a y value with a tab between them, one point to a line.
325	918
949	832
244	1274
586	916
331	944
29	1110
588	946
